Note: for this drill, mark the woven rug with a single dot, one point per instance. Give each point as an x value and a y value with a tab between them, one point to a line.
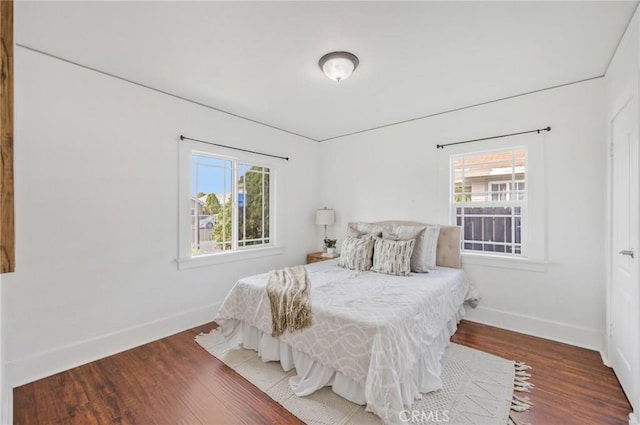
478	388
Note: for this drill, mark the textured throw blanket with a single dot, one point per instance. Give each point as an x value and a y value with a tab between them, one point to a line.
288	290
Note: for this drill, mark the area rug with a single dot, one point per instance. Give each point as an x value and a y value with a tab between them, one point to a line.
478	388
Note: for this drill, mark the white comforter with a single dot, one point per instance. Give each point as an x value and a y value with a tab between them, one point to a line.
376	329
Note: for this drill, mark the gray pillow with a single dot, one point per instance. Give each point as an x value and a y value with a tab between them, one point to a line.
392	257
353	233
356	253
423	258
370	228
401	232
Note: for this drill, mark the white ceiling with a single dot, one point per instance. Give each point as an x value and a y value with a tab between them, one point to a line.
259	60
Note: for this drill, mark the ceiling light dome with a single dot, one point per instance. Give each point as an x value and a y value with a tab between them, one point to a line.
338	66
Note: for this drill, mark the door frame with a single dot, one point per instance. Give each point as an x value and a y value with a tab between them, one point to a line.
629	94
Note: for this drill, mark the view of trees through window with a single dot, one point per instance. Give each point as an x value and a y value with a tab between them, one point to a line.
228	214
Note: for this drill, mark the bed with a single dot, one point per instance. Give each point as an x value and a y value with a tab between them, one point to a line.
376	339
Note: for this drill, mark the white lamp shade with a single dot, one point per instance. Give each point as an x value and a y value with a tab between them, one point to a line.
325	217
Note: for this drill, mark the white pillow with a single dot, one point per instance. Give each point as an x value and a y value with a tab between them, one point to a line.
371	228
401	232
353	233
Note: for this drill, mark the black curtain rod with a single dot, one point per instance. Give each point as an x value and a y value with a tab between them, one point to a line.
286	158
495	137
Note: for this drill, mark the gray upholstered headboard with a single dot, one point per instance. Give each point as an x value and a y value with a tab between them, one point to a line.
448	251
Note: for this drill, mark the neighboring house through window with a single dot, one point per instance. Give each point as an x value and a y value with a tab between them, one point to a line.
489	200
507	191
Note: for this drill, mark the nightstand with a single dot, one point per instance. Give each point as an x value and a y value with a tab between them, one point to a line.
316	257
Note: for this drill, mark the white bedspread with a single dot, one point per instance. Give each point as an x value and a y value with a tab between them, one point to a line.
376	329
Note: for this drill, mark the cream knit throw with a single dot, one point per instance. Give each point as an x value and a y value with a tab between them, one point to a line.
288	290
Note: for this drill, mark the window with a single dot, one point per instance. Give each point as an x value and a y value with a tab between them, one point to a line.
515	191
462	193
489	200
230	205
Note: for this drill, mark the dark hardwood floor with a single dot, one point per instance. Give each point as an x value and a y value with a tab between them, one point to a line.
175	381
572	386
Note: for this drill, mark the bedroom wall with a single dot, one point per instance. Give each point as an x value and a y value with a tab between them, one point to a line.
397	173
6	398
96	216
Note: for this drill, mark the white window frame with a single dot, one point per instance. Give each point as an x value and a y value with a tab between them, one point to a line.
536	234
236	242
185	258
522	204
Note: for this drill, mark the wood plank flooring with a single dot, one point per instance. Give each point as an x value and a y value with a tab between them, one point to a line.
175	381
572	386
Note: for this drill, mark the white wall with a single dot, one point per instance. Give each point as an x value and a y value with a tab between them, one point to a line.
397	173
96	216
6	398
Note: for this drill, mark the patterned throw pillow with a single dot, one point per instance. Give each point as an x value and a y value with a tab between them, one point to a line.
356	253
393	257
423	258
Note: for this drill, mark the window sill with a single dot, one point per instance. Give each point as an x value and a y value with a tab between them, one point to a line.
227	257
516	263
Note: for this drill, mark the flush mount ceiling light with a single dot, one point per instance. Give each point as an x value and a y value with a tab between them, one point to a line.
338	66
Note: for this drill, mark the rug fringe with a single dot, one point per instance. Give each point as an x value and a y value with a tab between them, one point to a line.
513	421
521	384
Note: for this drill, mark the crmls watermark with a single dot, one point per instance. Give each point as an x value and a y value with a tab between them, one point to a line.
423	416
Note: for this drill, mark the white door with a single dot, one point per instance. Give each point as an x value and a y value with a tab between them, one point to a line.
624	326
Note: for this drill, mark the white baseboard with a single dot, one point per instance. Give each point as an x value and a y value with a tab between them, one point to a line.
633	419
22	371
562	332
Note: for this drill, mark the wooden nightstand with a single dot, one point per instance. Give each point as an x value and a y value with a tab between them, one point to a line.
316	257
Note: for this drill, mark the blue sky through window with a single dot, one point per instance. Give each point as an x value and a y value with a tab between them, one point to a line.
213	175
210	175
